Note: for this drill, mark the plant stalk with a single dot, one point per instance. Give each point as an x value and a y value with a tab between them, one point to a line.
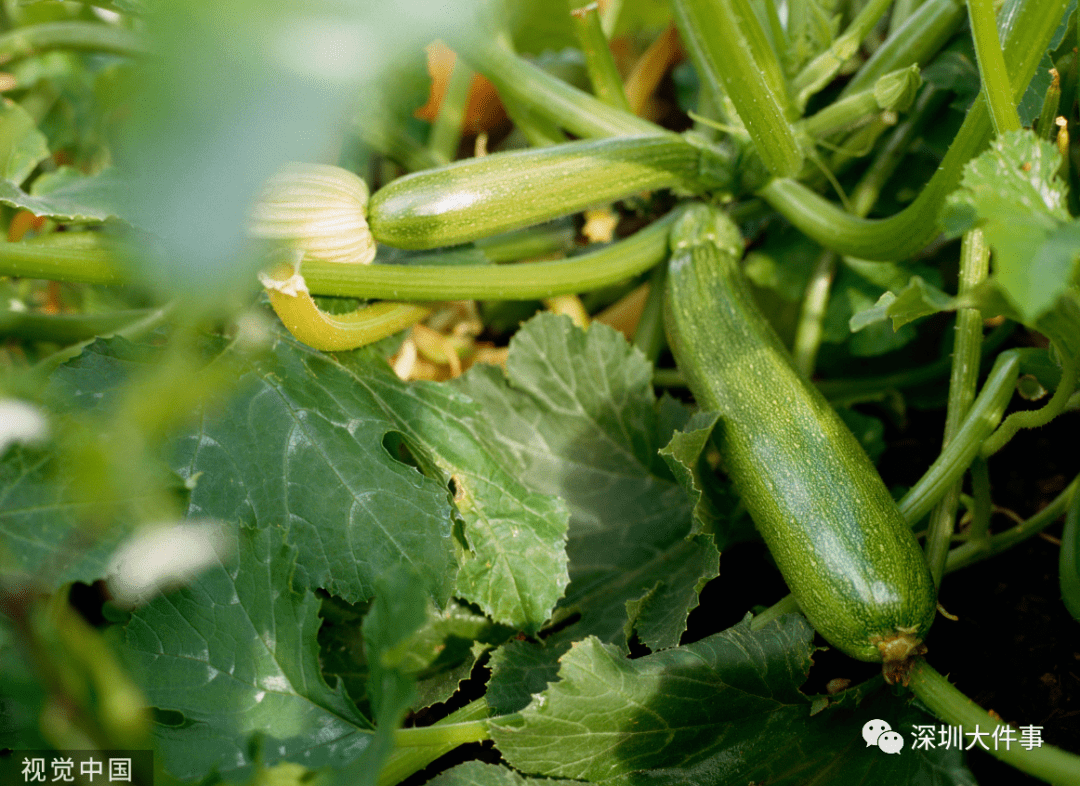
527	281
1047	762
974	267
983	417
403	762
446	131
733	57
603	73
575	110
992	71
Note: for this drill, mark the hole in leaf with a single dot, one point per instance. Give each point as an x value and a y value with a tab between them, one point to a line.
170	718
396	447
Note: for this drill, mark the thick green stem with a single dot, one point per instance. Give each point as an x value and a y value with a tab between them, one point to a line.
992	71
403	762
982	418
786	605
734	58
528	281
840	115
902	11
820	71
538	241
974	267
447	128
78	36
92	260
603	73
83	257
449	734
1047	762
909	230
548	96
815	302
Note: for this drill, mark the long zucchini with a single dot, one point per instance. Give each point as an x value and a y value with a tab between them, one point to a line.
838	538
480	197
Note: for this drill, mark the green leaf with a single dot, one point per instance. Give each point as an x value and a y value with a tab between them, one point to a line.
858	286
577	414
828	747
713	500
400	610
876	338
918	299
651	616
308	438
22	146
43	534
67	195
520	669
1021	206
477	773
725	711
300	443
233	657
1031	103
609	716
684	455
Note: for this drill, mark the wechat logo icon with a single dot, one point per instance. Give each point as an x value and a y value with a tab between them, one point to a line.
878	732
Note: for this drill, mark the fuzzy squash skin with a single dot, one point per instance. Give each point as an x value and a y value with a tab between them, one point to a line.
479	197
838	538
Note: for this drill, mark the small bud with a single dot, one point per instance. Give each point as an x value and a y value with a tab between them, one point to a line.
897	89
321	210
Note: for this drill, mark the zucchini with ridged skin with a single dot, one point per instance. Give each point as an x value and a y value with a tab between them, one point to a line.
835	532
480	197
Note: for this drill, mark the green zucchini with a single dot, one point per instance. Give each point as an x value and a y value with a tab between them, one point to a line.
480	197
838	538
